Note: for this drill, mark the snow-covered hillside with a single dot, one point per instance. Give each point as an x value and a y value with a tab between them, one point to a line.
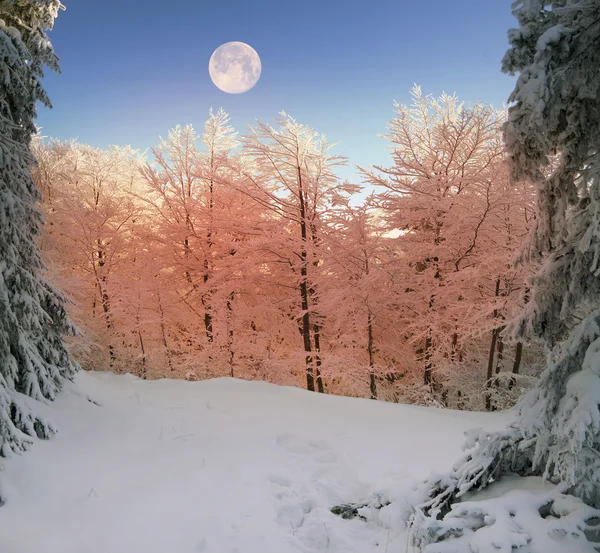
220	466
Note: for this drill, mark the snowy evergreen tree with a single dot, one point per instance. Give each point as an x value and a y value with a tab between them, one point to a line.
553	136
33	357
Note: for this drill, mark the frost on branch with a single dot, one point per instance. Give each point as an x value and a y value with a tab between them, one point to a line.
556	435
520	521
18	425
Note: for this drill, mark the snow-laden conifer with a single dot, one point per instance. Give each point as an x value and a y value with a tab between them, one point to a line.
553	137
33	357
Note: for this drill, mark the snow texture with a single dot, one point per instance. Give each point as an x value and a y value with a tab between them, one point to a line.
513	519
221	466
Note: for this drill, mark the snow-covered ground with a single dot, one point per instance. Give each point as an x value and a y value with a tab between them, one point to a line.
220	466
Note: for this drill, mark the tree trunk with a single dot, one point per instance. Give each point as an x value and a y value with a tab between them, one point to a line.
230	298
310	380
186	255
500	352
104	300
163	334
519	350
206	303
428	374
317	338
490	368
518	354
372	384
453	346
209	230
316	326
208	325
140	337
516	365
144	368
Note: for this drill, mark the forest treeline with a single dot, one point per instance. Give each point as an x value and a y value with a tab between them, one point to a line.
216	254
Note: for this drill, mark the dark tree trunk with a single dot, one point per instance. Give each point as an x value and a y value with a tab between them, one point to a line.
490	367
206	303
310	379
105	302
453	346
314	300
500	352
372	383
230	331
186	255
519	350
206	298
141	338
317	338
163	334
428	374
101	283
518	355
516	364
144	368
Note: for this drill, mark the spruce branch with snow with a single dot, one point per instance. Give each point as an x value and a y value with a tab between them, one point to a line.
34	360
521	520
553	137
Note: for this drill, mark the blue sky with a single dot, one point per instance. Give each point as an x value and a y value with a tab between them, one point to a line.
133	69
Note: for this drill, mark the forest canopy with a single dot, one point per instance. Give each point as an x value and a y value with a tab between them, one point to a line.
220	254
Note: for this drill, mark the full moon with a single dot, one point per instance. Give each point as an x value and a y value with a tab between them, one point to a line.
234	67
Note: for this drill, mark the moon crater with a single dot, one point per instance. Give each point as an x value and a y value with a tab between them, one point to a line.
234	67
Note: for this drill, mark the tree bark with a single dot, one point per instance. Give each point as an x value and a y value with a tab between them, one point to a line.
519	350
144	368
317	338
310	380
428	374
500	352
101	281
230	350
516	364
105	302
490	367
372	383
208	325
163	333
453	346
316	326
140	337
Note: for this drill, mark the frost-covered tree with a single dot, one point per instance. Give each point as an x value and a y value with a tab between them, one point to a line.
357	297
292	176
33	358
448	194
89	211
553	136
